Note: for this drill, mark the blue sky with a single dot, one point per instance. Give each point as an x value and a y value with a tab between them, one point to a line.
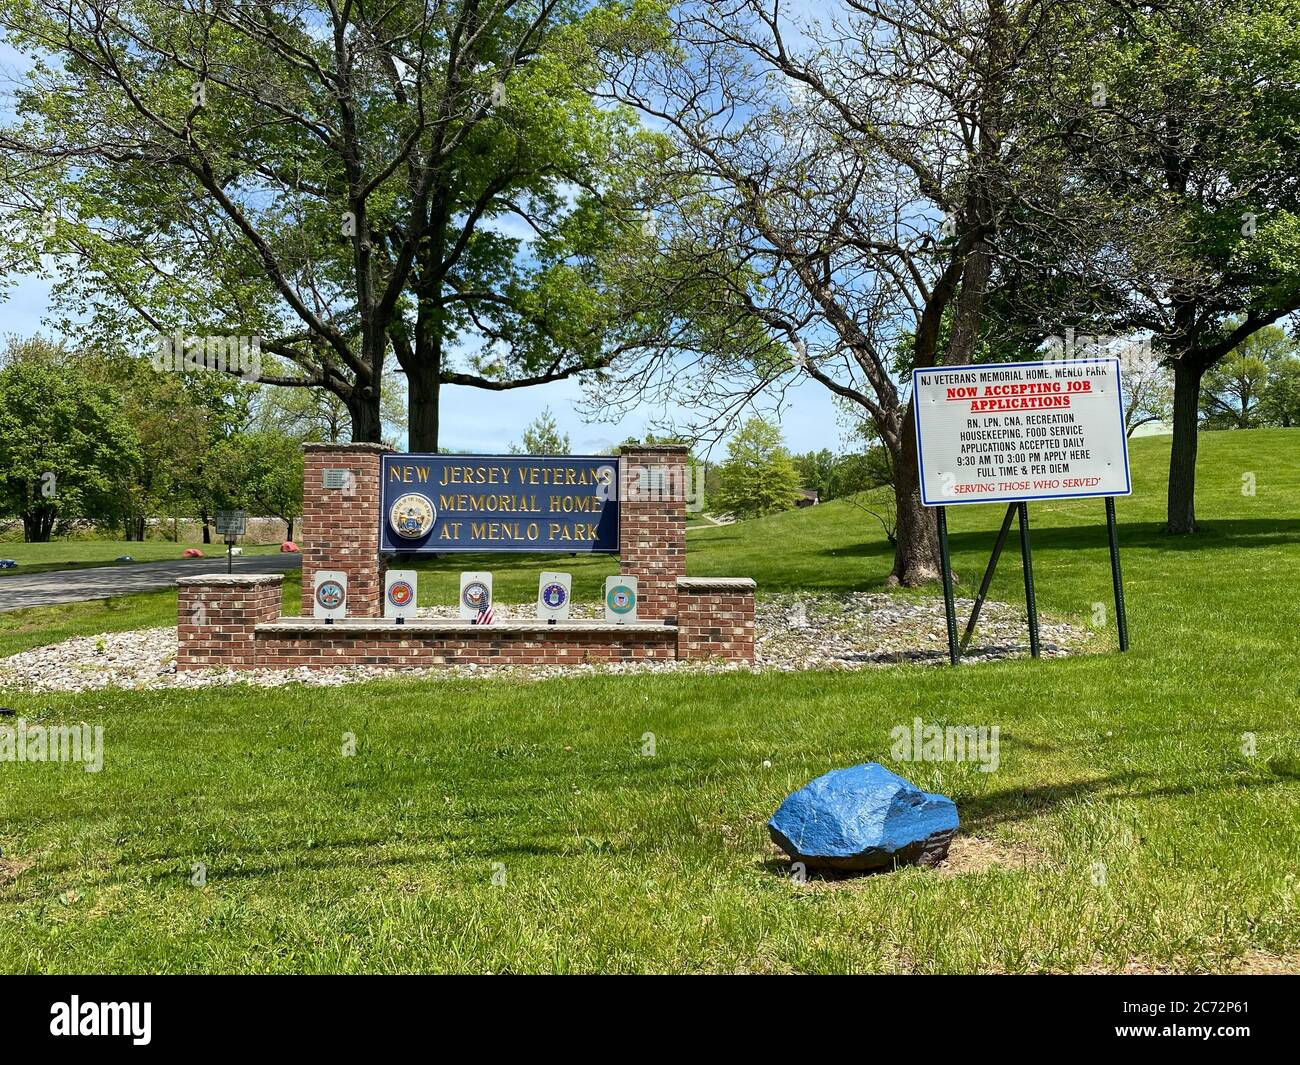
474	420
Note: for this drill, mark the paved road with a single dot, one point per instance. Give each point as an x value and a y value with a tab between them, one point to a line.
77	585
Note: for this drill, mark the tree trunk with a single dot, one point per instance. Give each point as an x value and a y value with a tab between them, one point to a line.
207	533
288	524
367	426
37	525
916	555
423	384
1182	456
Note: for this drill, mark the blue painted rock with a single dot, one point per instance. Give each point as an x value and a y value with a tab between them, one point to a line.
864	818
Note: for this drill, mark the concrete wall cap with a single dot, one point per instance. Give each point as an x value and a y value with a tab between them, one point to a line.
636	449
232	580
361	447
387	628
716	584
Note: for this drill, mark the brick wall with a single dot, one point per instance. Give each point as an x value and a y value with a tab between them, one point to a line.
715	618
234	621
288	644
216	617
340	526
652	526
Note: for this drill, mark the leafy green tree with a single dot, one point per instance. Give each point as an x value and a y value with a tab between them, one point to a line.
179	418
759	476
1281	403
542	436
267	468
1234	389
817	471
1183	127
862	158
861	472
66	446
352	183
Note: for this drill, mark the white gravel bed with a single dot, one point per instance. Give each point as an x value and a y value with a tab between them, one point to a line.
793	632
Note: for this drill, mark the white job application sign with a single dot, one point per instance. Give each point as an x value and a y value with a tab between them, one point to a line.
1003	432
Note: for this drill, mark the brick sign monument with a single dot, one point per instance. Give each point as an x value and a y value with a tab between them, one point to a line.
362	504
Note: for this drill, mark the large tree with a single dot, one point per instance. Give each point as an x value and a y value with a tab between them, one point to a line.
1281	404
265	468
860	165
66	446
344	180
1183	124
759	476
1234	393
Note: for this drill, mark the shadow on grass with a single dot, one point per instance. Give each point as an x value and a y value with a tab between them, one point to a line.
1213	534
1023	804
1241	532
231	864
783	868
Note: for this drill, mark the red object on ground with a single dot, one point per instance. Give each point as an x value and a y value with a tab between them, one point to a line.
288	547
193	552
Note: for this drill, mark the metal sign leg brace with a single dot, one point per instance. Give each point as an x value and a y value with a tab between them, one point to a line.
1021	510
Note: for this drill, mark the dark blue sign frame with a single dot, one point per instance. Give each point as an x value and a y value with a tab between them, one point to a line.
546	503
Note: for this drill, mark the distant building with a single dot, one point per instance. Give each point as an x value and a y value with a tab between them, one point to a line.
808	497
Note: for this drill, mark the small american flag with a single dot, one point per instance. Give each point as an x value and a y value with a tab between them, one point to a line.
485	616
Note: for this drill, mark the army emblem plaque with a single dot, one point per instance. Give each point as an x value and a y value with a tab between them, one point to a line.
330	601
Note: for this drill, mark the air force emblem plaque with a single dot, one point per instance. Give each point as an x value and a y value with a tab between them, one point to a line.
554	591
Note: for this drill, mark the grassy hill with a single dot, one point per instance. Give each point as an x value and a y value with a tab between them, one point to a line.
1126	826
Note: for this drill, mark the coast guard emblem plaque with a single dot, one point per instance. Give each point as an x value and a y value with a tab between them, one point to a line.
620	600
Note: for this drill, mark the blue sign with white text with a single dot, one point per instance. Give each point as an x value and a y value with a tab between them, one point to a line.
442	503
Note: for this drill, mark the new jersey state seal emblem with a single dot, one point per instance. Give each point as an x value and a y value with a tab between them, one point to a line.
412	516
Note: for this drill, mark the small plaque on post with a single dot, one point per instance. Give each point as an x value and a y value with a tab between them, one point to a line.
231	524
333	478
554	591
475	595
620	600
331	599
399	594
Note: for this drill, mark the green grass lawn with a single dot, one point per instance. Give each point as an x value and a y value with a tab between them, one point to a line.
88	554
1128	825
